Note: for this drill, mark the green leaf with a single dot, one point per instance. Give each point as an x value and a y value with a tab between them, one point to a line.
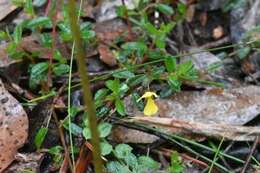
103	111
122	151
17	35
39	3
147	164
166	91
136	80
184	67
3	35
86	133
160	41
176	164
100	97
174	83
243	52
74	110
55	150
117	167
139	47
166	9
58	56
106	148
123	89
40	136
165	29
170	64
181	8
38	73
46	40
120	108
101	94
121	11
131	160
138	103
39	22
87	34
104	129
157	71
124	74
61	69
113	85
18	3
75	129
29	7
155	54
151	28
232	4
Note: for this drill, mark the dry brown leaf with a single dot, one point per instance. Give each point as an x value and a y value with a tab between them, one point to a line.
28	44
6	8
106	33
125	135
5	60
106	55
31	161
13	127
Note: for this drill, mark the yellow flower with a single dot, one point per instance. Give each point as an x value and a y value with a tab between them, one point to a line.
150	107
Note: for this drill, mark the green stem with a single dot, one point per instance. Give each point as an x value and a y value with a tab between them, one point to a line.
216	155
87	95
69	94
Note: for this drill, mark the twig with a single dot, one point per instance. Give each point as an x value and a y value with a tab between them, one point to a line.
250	154
60	129
216	43
64	166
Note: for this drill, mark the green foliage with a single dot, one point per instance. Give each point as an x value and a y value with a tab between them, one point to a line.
104	130
40	136
118	90
38	73
127	162
56	152
176	165
166	9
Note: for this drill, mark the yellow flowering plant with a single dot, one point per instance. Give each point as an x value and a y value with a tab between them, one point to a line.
150	108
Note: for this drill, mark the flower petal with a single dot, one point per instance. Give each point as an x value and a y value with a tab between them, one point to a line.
148	94
150	107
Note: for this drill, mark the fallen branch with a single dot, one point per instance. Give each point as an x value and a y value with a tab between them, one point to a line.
231	132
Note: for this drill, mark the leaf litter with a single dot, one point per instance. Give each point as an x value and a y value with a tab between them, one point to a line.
13	129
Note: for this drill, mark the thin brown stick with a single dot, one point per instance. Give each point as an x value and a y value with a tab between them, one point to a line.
216	43
60	129
250	154
62	139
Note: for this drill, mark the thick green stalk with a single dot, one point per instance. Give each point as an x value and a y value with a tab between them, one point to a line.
87	95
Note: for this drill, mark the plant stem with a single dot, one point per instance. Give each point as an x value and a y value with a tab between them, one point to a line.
69	93
216	155
87	95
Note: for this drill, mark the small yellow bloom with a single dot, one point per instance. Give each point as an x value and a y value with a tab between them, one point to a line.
150	107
